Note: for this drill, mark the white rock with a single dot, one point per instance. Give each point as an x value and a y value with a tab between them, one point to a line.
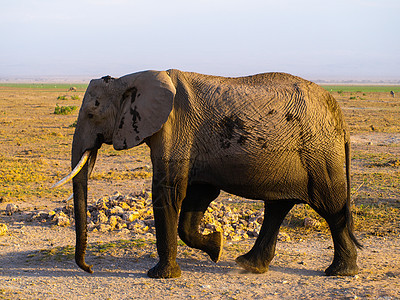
11	208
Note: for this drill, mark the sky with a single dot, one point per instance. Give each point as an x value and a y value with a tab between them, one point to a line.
315	39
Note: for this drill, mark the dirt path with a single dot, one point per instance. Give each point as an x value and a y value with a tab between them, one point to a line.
295	273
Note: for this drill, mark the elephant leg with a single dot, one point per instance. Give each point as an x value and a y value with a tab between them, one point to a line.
166	205
345	253
330	201
198	198
258	258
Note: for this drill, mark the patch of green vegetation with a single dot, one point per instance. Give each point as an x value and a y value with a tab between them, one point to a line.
56	253
65	253
66	97
64	110
362	88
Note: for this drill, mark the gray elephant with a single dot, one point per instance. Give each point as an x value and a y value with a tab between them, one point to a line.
273	137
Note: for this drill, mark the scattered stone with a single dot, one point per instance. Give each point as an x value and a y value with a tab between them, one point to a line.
134	214
61	219
11	208
311	223
3	229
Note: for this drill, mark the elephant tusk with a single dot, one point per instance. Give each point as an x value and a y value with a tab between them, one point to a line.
75	171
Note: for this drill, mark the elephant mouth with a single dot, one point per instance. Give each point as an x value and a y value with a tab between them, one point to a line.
100	140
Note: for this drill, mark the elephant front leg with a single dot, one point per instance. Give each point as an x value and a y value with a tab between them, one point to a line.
166	208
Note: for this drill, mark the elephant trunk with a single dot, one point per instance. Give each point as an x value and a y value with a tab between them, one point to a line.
80	206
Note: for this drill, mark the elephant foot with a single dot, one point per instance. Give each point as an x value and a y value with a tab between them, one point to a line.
162	270
251	265
214	245
342	268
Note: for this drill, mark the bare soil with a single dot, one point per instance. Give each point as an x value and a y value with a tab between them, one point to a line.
36	260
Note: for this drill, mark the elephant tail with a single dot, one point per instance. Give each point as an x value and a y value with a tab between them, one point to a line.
349	217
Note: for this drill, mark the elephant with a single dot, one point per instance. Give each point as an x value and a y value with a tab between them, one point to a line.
272	137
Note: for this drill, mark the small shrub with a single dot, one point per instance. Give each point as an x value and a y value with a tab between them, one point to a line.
353	98
62	98
75	97
64	110
340	92
73	125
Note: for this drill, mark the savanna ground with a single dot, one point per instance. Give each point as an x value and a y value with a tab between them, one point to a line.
36	260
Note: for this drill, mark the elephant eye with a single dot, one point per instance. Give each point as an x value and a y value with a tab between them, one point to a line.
97	103
90	116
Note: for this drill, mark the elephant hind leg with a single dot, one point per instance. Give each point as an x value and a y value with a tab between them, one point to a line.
330	201
198	198
258	258
345	253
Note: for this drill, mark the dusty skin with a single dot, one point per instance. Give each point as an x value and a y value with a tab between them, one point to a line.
35	153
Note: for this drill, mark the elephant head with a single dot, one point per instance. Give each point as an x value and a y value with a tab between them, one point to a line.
123	112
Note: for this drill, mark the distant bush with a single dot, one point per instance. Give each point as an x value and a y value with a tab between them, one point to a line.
64	110
73	125
353	98
66	97
340	92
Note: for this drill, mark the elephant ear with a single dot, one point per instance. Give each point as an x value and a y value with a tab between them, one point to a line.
146	103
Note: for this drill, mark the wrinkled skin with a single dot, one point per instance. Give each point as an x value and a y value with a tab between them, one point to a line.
272	137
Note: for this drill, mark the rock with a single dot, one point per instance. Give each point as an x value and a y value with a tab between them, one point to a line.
101	218
104	228
116	196
61	219
3	229
311	223
102	203
116	210
150	222
113	222
124	205
11	208
130	216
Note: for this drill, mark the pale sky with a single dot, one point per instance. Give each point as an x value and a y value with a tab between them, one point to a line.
315	39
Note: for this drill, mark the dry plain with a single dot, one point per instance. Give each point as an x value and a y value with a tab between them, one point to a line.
35	152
